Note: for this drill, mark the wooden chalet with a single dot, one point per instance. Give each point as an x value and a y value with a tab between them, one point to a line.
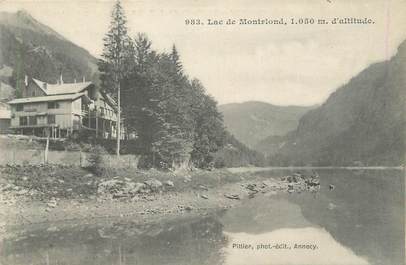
63	110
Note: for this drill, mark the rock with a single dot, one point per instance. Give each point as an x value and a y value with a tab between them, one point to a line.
232	196
188	208
52	204
252	187
203	187
187	179
169	183
153	184
204	196
90	175
136	187
110	186
331	187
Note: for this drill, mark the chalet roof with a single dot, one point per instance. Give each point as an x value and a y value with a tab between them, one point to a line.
46	98
58	89
40	84
70	88
109	99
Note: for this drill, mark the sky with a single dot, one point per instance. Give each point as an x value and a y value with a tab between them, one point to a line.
280	64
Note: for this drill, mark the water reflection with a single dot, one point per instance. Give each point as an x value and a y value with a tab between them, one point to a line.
296	246
364	213
187	242
360	222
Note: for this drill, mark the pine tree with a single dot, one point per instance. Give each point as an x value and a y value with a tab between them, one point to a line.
209	131
176	60
112	66
139	104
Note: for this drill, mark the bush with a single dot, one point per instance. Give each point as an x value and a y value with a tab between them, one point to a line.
145	162
96	160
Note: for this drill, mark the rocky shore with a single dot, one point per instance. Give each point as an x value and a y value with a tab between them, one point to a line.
38	194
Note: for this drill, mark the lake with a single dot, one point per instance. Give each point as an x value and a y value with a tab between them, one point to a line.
357	218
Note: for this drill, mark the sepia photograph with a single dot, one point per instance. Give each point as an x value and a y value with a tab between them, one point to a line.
221	132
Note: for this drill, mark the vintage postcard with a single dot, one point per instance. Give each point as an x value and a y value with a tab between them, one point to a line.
145	132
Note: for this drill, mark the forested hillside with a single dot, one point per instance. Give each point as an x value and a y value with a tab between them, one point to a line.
29	47
362	123
253	121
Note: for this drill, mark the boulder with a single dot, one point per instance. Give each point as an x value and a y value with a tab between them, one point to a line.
110	186
134	188
153	184
169	183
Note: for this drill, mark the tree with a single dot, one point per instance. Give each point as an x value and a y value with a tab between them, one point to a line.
136	85
209	131
176	60
177	124
112	65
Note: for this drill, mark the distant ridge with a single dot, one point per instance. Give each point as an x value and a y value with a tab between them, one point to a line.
22	19
252	121
362	123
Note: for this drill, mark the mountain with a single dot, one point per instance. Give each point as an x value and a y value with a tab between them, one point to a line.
362	123
236	154
29	47
250	122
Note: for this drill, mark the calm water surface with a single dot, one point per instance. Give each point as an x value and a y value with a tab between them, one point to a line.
360	221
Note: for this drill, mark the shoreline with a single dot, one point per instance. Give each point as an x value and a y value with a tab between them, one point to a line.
260	169
157	208
197	194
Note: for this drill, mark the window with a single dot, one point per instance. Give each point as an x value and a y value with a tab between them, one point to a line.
32	120
19	107
53	105
23	121
51	119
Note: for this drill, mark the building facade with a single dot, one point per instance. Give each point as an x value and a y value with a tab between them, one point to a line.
63	110
5	118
